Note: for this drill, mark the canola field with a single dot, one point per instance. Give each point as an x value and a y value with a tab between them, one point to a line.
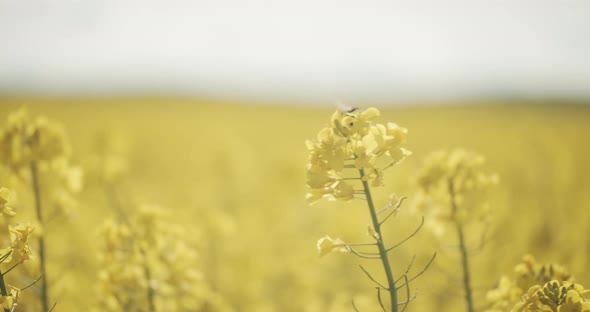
156	204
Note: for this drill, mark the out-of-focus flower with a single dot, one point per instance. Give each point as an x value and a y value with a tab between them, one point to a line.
450	185
5	197
327	244
148	253
352	141
23	141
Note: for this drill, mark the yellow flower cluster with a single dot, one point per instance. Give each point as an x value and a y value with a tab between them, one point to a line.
352	140
555	296
17	253
149	262
527	274
450	184
19	249
24	141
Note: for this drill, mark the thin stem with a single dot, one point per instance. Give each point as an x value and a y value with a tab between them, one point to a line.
151	295
118	207
42	256
406	239
383	253
354	306
3	290
362	254
420	273
31	284
463	249
12	267
371	277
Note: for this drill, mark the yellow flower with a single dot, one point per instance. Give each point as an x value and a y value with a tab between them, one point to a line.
574	302
5	196
451	187
352	143
7	302
528	277
354	122
19	235
343	191
327	244
556	296
23	141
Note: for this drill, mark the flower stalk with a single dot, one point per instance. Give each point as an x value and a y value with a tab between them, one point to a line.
463	250
42	255
382	250
3	290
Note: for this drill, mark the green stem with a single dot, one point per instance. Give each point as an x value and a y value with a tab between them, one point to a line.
463	249
148	275
382	251
3	290
118	207
42	258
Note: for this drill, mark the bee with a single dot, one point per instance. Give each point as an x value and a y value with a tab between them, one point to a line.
345	118
345	108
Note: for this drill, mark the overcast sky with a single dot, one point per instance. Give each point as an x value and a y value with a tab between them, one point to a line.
302	48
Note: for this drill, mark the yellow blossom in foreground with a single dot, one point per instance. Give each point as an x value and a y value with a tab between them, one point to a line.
555	296
527	274
327	244
352	141
19	235
7	302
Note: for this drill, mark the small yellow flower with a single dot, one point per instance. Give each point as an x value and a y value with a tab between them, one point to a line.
5	197
19	235
327	244
7	302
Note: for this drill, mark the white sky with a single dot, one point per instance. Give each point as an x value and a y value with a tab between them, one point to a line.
301	48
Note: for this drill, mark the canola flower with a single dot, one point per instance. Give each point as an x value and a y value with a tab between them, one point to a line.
16	254
29	147
526	275
147	265
450	184
5	209
352	141
354	148
555	296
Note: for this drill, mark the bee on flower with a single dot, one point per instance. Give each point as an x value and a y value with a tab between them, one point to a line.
352	140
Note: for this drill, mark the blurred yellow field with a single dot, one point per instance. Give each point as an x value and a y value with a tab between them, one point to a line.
232	176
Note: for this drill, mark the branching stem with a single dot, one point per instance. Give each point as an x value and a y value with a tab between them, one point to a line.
382	251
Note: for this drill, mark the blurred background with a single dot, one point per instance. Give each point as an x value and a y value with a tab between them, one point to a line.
208	104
